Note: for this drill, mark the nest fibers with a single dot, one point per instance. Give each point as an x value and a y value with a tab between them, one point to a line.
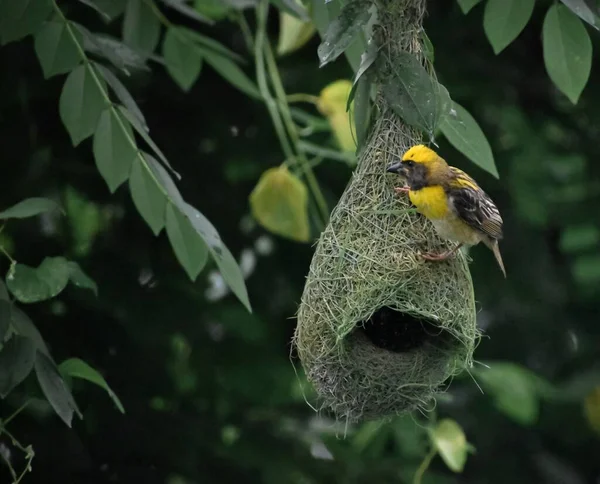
380	330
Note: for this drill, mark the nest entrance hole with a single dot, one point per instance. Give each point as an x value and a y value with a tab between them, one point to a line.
400	332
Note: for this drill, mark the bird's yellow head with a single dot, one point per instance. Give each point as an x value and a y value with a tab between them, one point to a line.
420	154
420	165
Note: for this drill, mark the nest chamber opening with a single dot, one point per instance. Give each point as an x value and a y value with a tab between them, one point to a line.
393	330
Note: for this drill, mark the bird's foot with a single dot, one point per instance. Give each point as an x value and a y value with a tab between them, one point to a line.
436	257
403	189
442	256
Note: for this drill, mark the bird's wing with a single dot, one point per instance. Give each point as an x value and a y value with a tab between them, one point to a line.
473	205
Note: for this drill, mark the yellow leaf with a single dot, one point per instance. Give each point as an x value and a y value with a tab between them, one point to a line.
279	202
334	97
451	443
293	33
343	131
591	407
332	104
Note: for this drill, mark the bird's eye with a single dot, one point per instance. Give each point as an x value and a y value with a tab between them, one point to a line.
409	162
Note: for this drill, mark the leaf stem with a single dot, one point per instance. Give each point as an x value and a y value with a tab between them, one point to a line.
28	451
29	455
302	98
7	420
261	78
424	465
161	17
8	256
245	28
294	135
10	467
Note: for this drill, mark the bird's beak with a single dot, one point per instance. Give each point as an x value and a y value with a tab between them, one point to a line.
397	168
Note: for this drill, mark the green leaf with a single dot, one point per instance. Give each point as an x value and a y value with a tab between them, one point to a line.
55	48
579	238
109	9
188	11
293	8
279	202
3	292
119	54
16	362
366	61
427	47
504	20
147	196
86	221
30	207
230	71
293	33
23	326
513	389
209	44
81	103
362	111
5	315
451	443
122	94
141	27
77	368
55	389
22	17
586	269
80	278
567	51
413	94
146	137
29	284
220	9
587	10
182	60
114	148
164	179
320	16
342	31
189	248
443	103
229	268
463	132
410	436
467	5
322	13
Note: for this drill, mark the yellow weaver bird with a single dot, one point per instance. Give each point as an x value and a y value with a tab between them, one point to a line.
458	208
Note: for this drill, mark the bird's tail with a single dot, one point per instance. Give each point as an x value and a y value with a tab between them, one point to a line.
493	244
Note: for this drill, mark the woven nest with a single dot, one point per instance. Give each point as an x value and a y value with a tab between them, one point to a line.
380	330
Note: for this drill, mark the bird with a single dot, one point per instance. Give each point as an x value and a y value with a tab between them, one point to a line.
453	201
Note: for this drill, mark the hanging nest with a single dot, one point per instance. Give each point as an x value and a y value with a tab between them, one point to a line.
380	330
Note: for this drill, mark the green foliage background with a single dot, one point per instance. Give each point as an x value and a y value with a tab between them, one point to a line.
208	389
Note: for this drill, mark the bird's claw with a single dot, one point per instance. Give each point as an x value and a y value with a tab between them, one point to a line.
403	189
436	257
442	256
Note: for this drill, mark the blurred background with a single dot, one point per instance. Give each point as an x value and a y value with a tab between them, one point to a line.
210	391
